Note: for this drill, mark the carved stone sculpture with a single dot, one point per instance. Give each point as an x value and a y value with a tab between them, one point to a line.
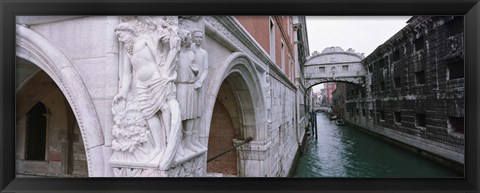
147	125
187	94
201	60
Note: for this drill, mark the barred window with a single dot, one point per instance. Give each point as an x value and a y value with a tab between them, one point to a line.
397	117
420	120
419	43
420	77
396	55
322	69
456	124
455	70
397	82
381	116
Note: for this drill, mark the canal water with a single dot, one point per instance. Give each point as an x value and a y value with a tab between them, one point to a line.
343	151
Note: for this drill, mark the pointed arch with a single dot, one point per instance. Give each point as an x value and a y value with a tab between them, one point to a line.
239	76
239	67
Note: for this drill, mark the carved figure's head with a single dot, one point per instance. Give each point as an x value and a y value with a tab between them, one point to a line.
185	38
197	37
125	31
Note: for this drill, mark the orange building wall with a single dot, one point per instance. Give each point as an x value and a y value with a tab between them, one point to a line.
258	27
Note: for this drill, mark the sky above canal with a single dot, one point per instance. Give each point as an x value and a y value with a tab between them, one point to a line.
362	33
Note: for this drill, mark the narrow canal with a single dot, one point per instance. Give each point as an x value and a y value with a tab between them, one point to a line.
342	151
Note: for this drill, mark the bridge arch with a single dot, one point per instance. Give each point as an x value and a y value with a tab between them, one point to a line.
335	81
334	65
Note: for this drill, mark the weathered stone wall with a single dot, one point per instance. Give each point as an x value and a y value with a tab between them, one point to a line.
415	88
283	137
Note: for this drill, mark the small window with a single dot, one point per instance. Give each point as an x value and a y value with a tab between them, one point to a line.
420	77
358	112
370	68
272	40
419	43
322	69
382	62
371	88
455	70
36	133
396	55
364	113
283	56
397	82
456	124
345	68
382	86
371	113
420	120
381	115
397	117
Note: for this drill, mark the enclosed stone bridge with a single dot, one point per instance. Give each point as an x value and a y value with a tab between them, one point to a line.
334	65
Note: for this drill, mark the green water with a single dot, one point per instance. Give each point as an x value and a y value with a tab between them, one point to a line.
342	151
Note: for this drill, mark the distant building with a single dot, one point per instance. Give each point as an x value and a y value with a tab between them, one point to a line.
338	100
330	88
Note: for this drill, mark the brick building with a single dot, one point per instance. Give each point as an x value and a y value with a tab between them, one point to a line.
414	89
330	88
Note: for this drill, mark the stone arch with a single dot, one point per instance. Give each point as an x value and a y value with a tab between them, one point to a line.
238	67
238	75
34	48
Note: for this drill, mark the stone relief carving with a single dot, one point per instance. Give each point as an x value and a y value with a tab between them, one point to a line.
192	71
159	93
147	127
268	101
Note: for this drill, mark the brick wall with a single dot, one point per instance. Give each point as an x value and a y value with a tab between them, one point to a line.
221	138
259	29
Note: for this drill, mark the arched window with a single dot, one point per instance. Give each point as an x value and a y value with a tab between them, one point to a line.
36	132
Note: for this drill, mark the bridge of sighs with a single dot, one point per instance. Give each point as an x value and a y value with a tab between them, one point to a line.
334	65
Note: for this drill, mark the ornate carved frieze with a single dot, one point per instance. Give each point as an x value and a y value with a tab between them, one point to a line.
455	46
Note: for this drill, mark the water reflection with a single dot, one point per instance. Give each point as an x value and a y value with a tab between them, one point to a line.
342	151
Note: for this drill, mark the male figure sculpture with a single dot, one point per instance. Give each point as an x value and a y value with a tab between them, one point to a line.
152	50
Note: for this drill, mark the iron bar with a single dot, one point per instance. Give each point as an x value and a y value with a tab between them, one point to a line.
228	150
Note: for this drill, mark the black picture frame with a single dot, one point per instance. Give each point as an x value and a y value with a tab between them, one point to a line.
9	9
